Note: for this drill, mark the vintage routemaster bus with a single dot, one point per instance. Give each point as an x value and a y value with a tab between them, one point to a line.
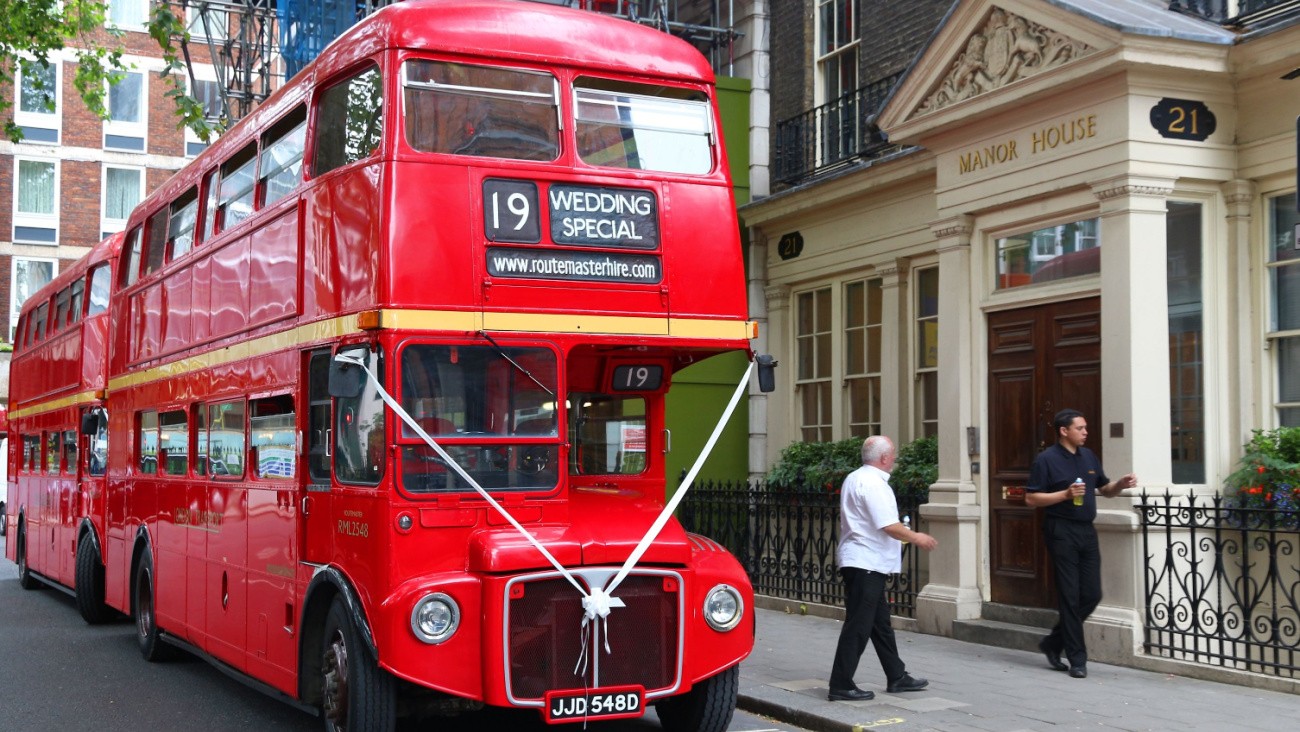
382	408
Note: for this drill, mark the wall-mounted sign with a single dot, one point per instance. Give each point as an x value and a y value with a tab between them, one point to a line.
1183	119
790	246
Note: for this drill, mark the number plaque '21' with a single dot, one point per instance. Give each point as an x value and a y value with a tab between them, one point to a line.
1184	119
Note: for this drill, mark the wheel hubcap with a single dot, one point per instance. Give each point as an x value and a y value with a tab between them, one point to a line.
335	668
144	606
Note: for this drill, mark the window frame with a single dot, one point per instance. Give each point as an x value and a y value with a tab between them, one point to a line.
828	48
108	225
1280	343
925	379
52	120
16	305
823	429
37	220
138	129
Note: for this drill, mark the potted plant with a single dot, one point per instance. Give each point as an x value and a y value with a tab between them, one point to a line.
1264	490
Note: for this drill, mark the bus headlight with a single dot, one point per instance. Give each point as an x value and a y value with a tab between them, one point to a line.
435	618
723	608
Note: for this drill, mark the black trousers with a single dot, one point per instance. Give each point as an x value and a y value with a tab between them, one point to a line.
1076	559
866	618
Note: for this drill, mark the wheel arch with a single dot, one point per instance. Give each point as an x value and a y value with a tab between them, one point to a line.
328	583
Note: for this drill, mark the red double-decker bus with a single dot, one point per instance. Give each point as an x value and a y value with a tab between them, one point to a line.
380	387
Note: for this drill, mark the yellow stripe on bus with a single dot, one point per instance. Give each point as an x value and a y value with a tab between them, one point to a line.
50	406
443	320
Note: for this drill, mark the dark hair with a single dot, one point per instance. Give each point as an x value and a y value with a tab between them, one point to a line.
1065	418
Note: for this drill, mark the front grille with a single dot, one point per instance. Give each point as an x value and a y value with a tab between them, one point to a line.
544	635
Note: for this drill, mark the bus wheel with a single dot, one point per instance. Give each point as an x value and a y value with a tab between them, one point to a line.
707	707
25	578
147	634
90	583
356	694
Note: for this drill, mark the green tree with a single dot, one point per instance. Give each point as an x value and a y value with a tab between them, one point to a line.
35	29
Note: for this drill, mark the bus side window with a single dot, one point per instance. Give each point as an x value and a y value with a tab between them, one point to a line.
52	453
281	165
225	449
349	122
131	257
74	313
180	230
238	183
146	442
211	193
174	443
155	246
70	451
272	430
99	287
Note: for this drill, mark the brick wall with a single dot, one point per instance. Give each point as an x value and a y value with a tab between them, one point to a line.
893	33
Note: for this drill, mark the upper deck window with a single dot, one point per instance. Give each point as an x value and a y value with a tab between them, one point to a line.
238	183
626	125
350	121
481	110
282	157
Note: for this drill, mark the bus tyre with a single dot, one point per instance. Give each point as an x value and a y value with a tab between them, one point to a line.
90	583
707	707
356	695
26	580
152	647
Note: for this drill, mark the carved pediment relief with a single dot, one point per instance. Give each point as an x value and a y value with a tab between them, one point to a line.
1007	48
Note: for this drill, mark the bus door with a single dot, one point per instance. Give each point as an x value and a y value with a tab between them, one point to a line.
94	462
314	530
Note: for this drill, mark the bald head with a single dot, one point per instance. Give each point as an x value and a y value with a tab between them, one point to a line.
878	450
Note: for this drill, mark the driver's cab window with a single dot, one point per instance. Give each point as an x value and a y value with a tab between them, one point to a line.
359	446
608	434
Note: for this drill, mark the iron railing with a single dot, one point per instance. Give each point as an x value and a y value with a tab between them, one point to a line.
1246	10
786	540
1222	583
833	135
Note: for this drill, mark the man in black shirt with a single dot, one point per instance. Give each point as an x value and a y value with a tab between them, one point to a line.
1064	481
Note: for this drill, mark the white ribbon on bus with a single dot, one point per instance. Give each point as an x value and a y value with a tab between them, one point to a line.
597	604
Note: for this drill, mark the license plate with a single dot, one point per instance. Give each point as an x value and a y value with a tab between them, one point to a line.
572	705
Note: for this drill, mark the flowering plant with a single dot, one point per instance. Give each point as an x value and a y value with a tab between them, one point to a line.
1268	475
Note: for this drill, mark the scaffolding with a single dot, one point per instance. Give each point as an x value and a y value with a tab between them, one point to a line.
253	45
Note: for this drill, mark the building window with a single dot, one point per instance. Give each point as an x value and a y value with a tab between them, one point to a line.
862	338
1284	292
813	378
36	219
29	275
927	351
1053	253
125	128
123	189
1186	342
837	47
208	23
128	14
208	94
37	110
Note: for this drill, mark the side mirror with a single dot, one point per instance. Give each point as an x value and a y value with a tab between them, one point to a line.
90	420
346	378
766	373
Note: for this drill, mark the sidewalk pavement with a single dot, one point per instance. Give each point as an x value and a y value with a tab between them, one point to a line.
975	687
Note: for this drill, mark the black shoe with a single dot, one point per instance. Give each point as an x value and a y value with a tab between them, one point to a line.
850	695
907	683
1079	672
1053	657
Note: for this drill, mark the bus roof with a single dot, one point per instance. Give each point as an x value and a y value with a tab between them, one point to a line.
526	31
490	29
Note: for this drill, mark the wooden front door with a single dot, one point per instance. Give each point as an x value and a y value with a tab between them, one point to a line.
1041	359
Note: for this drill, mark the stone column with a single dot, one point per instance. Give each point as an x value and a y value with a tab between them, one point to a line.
893	330
1135	395
758	312
953	513
779	422
1238	199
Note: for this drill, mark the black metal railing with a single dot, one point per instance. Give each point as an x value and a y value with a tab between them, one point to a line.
1222	583
832	135
1218	10
787	540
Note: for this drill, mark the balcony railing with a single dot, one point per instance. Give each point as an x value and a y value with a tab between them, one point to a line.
832	135
1245	12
